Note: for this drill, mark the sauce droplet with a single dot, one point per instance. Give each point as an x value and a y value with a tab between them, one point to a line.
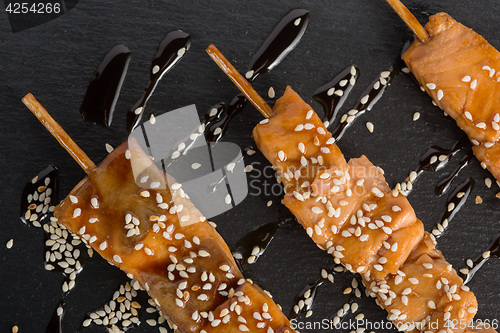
333	94
251	246
493	250
55	324
104	87
170	51
444	184
453	205
280	42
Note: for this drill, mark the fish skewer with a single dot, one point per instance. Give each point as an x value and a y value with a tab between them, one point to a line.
458	68
409	19
348	210
140	220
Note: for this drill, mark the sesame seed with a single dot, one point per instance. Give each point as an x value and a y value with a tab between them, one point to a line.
152	119
427	265
440	94
281	155
364	100
195	166
9	243
271	92
262	122
228	199
431	86
473	84
466	78
481	125
138	110
117	258
369	126
299	128
487	182
416	116
94	203
203	253
249	74
77	212
181	52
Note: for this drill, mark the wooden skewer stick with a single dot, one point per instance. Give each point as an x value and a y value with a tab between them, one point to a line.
58	132
409	19
243	85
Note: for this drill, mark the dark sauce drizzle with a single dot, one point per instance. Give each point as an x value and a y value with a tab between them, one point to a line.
170	51
282	40
61	255
55	324
453	205
444	184
104	87
333	94
304	301
493	250
434	159
250	247
368	100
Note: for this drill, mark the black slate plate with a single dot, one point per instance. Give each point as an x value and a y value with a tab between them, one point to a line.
56	59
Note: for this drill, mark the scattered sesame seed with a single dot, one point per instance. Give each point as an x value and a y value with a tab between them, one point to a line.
369	126
195	166
109	148
271	93
431	86
466	78
9	243
479	200
138	110
152	119
249	74
487	182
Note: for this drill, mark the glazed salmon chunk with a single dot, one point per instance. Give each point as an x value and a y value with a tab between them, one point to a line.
460	70
349	210
250	310
140	220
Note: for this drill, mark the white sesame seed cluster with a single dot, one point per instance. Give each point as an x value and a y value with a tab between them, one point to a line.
144	223
120	313
38	197
349	211
468	92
